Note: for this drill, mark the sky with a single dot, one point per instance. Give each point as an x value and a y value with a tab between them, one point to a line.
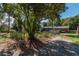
73	9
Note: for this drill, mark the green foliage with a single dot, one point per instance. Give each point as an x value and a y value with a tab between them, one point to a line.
4	28
17	36
72	22
74	38
57	22
28	16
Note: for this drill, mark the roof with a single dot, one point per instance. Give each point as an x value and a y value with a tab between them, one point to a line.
57	27
61	27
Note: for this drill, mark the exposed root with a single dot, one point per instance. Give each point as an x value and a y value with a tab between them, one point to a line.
31	46
35	44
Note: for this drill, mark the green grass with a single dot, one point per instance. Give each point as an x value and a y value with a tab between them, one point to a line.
74	38
71	32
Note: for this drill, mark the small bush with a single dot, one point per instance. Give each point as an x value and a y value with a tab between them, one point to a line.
16	35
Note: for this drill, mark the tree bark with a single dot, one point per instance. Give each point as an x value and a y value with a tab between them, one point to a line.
8	23
77	30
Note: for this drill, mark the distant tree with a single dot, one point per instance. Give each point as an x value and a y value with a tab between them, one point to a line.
57	22
72	22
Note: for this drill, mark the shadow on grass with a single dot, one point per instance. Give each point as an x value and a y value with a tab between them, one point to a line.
54	48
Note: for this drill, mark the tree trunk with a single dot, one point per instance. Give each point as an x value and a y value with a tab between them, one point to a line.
77	30
34	43
8	23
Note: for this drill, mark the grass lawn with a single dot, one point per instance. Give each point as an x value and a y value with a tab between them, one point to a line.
74	38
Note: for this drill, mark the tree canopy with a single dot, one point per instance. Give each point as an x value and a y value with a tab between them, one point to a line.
73	22
28	16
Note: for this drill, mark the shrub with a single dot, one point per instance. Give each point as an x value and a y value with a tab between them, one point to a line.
17	36
3	29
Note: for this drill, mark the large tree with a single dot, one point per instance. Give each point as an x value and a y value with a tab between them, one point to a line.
28	17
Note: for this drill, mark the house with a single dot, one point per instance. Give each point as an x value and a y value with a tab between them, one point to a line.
56	28
5	21
61	28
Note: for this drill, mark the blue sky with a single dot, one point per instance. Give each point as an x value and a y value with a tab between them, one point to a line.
73	9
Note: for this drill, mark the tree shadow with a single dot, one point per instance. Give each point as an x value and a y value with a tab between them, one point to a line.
54	48
60	48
